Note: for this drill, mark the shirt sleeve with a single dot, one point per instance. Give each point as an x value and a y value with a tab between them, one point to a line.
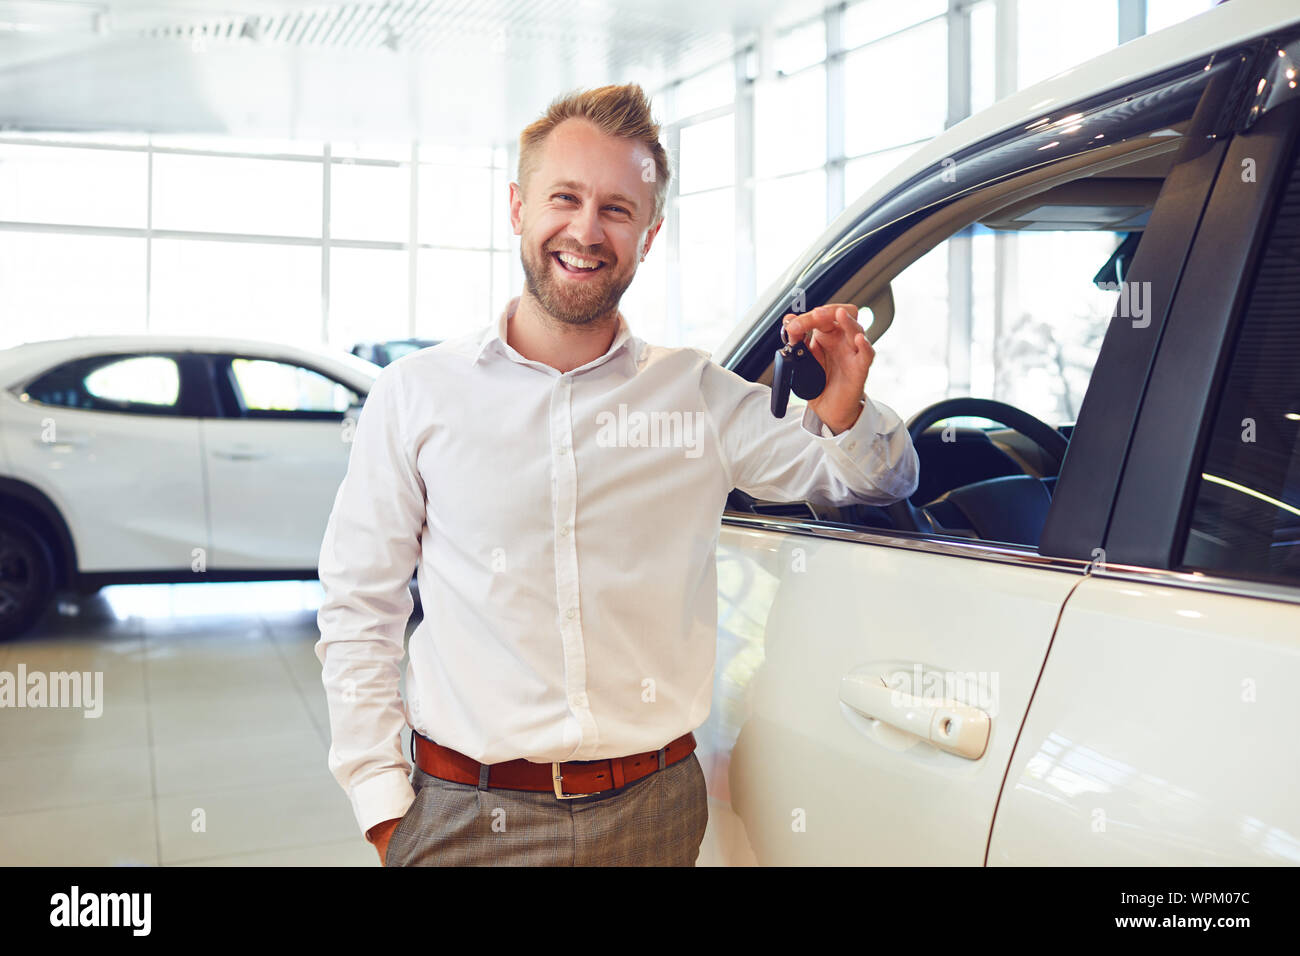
797	457
370	549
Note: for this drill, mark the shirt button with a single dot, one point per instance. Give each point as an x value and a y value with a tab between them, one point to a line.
579	700
564	531
851	445
564	449
569	613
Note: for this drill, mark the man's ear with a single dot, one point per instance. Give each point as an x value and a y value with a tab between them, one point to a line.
516	208
650	237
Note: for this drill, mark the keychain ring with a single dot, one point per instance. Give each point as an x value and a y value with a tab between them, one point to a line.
785	339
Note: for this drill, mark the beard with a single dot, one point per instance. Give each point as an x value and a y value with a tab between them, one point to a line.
573	303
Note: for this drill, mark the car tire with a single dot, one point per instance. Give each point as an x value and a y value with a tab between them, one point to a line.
26	577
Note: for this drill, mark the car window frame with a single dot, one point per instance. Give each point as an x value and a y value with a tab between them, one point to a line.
190	400
1108	418
1197	89
1157	492
230	400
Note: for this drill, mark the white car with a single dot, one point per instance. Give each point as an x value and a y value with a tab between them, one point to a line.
152	458
1047	657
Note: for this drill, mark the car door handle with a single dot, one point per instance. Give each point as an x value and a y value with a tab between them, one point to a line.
950	725
239	455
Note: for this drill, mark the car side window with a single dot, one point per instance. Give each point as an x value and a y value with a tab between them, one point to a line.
1246	516
135	384
271	389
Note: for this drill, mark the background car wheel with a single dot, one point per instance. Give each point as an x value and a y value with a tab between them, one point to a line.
26	577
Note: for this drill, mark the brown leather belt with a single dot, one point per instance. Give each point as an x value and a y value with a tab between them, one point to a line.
573	778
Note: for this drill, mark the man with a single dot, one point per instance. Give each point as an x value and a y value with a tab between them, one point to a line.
559	485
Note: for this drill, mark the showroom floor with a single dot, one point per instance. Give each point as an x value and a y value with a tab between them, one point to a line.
211	748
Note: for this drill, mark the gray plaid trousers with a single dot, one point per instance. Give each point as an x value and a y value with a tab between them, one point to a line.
658	820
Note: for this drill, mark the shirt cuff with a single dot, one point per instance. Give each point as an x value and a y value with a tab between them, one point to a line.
816	426
385	796
858	444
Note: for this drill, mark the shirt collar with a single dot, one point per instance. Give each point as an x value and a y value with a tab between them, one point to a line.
494	336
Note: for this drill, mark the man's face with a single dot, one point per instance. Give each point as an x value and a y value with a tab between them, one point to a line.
586	221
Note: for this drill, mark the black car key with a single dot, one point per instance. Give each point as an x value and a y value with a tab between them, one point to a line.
796	369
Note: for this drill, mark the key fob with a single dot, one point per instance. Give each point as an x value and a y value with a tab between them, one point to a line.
782	379
795	369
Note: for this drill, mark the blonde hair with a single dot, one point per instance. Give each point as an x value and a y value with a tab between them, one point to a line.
622	111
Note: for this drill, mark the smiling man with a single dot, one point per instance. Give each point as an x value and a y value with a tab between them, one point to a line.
558	484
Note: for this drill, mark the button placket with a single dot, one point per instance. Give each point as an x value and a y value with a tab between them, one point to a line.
564	469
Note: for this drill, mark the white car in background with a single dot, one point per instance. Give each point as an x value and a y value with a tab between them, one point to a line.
157	458
1078	643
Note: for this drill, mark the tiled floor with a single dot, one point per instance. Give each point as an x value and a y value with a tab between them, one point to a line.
211	748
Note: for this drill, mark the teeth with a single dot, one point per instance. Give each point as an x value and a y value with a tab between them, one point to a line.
577	261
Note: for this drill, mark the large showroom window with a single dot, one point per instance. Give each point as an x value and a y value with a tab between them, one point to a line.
336	243
771	137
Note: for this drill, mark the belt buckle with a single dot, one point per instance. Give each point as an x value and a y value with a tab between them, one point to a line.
559	792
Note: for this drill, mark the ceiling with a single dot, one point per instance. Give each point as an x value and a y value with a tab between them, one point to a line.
467	72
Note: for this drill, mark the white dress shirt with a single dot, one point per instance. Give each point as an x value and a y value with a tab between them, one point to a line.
563	527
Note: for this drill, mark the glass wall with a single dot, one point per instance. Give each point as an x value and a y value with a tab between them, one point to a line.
345	242
299	241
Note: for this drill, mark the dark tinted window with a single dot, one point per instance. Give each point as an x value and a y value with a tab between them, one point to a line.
137	384
1246	517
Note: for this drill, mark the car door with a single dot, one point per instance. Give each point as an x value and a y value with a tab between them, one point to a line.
1161	729
846	650
274	460
113	440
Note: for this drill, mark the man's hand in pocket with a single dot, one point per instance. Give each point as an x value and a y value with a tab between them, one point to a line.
380	834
